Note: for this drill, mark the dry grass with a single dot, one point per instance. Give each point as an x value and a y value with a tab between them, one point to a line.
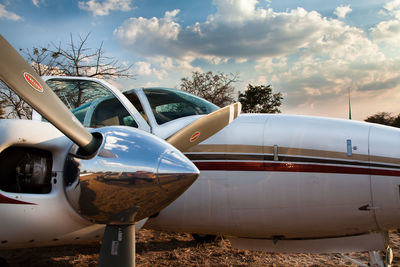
167	249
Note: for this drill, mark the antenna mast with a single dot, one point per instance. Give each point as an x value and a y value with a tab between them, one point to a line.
349	103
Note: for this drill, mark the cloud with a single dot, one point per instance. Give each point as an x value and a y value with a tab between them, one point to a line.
144	68
8	15
103	8
235	10
38	2
393	8
309	57
389	31
342	11
150	36
239	29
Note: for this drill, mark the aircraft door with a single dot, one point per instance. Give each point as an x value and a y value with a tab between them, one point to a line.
96	104
384	144
315	182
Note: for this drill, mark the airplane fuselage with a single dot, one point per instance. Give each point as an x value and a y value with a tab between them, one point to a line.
265	176
268	176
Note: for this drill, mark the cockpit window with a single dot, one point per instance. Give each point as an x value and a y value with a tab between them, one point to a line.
76	93
91	103
133	98
171	104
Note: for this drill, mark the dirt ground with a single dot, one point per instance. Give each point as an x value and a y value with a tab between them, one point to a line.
171	249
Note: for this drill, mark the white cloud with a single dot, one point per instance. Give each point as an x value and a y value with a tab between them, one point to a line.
8	15
174	65
37	2
309	57
393	8
144	68
234	10
149	36
103	8
239	29
388	32
342	11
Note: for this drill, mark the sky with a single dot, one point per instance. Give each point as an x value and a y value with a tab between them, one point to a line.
313	52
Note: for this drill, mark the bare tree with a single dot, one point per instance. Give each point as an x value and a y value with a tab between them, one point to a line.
2	113
75	59
12	105
42	60
216	88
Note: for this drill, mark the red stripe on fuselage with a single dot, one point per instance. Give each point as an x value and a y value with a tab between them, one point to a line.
290	167
7	200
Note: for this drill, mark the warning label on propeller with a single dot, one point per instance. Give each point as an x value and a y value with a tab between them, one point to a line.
194	136
32	82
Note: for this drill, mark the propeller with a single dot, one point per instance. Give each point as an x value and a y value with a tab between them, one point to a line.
129	175
204	127
22	78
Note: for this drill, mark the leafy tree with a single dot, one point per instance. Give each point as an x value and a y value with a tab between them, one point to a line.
385	118
216	88
260	99
74	59
396	122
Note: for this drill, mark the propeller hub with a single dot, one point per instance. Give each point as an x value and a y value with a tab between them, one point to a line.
133	175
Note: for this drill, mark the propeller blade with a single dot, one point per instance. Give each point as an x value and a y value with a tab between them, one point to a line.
205	127
22	78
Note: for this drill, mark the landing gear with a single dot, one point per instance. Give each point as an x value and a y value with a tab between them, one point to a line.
375	259
118	246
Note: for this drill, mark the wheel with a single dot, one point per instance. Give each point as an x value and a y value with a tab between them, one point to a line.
204	238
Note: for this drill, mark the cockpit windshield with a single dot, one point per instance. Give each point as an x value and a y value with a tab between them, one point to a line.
171	104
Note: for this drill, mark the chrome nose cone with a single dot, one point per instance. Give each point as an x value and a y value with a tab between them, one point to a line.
134	175
176	173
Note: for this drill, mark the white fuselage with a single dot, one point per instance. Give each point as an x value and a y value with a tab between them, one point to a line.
268	176
28	219
264	176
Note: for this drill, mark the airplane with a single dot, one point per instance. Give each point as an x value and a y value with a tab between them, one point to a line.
61	183
271	182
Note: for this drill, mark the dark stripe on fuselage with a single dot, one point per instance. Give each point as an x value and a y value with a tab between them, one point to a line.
284	159
289	167
264	162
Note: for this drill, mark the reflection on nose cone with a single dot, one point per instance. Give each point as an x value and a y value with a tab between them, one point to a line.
176	173
133	176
